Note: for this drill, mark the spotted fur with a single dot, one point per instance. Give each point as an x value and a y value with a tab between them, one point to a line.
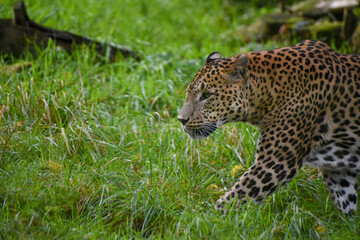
305	99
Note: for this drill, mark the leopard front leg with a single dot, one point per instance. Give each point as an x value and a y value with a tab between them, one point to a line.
258	182
279	157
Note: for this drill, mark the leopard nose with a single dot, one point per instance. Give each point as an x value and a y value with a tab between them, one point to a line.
183	120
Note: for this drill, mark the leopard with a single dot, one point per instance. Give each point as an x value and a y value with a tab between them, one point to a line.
305	101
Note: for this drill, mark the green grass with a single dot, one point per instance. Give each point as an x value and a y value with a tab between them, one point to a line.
93	150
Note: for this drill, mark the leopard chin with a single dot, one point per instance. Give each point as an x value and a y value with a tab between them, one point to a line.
202	132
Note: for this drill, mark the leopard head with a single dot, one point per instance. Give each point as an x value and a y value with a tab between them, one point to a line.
217	95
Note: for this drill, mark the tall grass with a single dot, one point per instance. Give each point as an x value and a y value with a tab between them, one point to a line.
91	149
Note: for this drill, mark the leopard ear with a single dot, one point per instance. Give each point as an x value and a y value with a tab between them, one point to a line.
239	70
213	56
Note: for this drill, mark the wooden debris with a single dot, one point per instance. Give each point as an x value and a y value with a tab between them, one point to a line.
326	20
21	34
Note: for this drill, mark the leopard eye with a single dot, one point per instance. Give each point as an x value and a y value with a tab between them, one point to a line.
205	96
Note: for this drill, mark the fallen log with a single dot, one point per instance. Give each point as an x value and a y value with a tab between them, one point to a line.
331	21
21	34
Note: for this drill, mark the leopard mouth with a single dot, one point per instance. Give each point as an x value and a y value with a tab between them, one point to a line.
202	132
